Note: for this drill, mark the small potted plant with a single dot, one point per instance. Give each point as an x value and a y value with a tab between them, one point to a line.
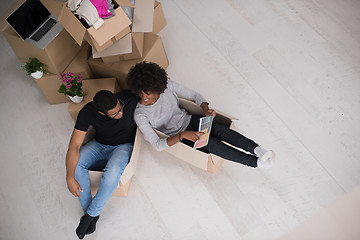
72	86
35	68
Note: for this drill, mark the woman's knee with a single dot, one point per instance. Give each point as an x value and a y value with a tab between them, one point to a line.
212	144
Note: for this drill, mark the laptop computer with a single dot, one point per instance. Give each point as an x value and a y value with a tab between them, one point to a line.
34	23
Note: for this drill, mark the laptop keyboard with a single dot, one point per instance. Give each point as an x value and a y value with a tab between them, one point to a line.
43	30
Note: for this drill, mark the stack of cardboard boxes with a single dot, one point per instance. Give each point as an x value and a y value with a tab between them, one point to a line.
103	56
108	52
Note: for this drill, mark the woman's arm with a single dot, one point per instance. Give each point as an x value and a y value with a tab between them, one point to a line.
185	92
207	111
189	135
149	133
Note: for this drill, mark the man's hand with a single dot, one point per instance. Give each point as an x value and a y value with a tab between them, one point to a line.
190	135
74	187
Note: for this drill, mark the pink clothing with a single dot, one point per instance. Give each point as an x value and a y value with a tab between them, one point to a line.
102	7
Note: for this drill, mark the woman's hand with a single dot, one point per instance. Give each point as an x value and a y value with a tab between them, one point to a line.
207	111
191	135
210	112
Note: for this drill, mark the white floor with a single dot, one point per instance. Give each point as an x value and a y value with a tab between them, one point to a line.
288	70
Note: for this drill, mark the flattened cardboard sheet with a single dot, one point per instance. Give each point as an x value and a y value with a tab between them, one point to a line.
108	43
123	46
137	50
143	16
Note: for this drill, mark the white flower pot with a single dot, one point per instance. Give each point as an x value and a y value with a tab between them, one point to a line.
76	99
37	74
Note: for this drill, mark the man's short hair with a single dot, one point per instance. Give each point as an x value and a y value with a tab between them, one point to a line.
104	101
147	77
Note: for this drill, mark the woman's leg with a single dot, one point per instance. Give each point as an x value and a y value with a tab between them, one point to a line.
232	137
217	147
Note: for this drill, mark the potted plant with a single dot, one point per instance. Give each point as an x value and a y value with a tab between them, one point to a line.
71	86
35	68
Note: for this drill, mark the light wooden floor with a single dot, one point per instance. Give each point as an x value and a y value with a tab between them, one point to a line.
288	70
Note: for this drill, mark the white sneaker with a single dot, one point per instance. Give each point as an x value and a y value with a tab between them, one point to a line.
266	160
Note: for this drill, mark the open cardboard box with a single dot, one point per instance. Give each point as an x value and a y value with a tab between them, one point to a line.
208	162
131	47
90	88
153	52
117	26
129	171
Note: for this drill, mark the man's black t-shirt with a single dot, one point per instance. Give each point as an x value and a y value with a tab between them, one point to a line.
110	131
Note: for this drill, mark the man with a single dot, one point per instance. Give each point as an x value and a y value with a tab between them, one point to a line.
112	117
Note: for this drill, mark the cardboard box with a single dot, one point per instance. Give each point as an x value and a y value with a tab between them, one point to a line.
90	88
127	50
153	52
79	64
49	85
57	55
208	162
117	26
125	180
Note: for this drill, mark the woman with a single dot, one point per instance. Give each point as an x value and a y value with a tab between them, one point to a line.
158	108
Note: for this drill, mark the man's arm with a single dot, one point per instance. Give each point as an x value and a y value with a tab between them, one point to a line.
72	159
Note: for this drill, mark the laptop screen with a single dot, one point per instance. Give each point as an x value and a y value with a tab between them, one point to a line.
28	17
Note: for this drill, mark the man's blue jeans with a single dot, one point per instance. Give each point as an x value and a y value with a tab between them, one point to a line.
96	156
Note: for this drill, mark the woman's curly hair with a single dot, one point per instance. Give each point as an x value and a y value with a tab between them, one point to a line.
147	77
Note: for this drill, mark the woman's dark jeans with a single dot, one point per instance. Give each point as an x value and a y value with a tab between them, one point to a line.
221	133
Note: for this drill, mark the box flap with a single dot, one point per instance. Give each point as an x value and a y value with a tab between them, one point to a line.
159	18
125	3
53	6
123	46
110	28
72	25
143	16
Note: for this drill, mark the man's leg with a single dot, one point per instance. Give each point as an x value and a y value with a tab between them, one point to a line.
92	154
118	159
